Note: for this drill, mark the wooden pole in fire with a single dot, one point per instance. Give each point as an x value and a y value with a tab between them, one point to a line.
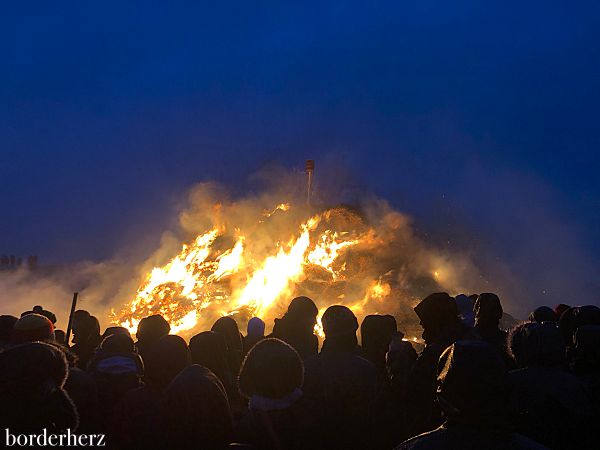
70	325
310	167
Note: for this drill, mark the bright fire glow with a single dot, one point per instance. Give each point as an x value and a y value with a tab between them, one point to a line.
197	277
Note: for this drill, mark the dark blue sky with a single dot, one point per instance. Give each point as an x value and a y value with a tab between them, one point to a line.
480	120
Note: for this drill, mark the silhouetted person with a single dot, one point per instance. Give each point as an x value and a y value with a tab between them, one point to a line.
150	330
271	379
32	327
345	387
86	337
473	389
43	312
228	328
400	359
7	323
441	328
209	350
543	314
116	369
553	405
488	312
255	333
376	333
297	325
82	390
136	416
194	413
32	397
399	362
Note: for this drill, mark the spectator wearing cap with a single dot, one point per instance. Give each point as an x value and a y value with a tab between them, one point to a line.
86	337
150	330
255	333
37	309
474	390
441	328
488	312
554	407
32	394
271	379
32	327
346	387
297	325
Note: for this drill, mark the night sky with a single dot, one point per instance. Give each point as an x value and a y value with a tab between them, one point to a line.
481	121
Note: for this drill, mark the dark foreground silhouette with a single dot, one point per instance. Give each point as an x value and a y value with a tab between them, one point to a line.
473	385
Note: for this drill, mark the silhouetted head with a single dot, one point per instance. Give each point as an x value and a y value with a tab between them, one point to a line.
339	326
208	349
585	358
473	385
165	359
464	306
436	312
577	317
32	394
488	310
376	332
152	328
115	330
542	314
272	369
80	321
33	365
117	343
7	323
32	327
302	312
256	327
339	320
228	328
536	344
84	326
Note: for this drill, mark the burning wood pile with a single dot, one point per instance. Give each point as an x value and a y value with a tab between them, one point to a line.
334	257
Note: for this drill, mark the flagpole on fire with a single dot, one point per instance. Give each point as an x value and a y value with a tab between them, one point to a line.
310	167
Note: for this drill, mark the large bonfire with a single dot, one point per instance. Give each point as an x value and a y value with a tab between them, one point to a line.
256	267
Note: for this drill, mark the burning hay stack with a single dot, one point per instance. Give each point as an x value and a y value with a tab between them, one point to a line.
251	260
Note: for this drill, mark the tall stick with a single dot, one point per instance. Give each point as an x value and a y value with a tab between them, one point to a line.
310	167
70	325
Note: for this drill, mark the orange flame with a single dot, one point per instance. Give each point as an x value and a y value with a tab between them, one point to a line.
238	279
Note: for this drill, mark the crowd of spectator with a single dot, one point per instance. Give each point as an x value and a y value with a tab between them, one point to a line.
472	386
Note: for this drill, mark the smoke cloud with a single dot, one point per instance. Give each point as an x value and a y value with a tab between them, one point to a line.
406	264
